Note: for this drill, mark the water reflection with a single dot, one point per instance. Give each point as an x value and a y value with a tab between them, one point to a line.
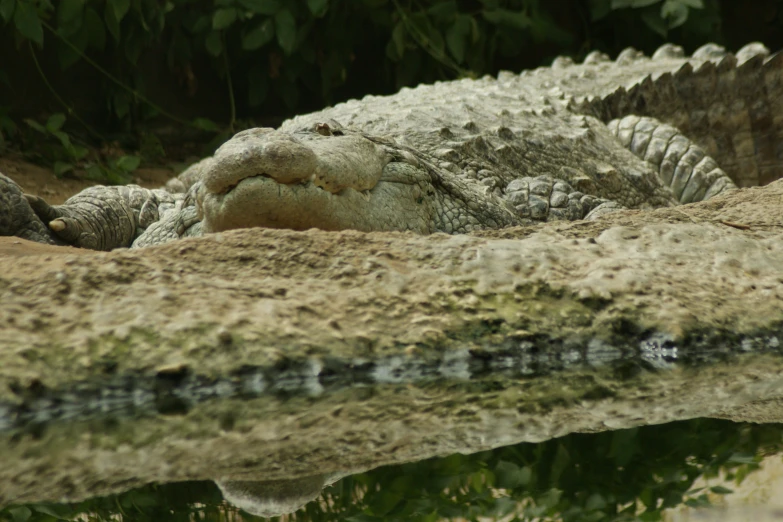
534	445
632	474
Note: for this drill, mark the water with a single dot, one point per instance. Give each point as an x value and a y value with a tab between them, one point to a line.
594	435
604	476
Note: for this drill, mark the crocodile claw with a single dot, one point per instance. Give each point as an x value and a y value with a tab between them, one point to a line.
65	226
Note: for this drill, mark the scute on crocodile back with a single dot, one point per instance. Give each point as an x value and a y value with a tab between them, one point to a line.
731	105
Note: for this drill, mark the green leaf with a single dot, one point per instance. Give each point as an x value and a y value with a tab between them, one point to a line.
223	18
594	502
318	8
620	4
78	152
35	125
560	463
647	498
259	36
60	168
120	8
479	480
206	124
94	28
119	177
408	69
700	502
20	514
95	172
501	507
121	101
264	7
599	9
457	36
674	12
69	17
27	22
695	4
654	21
55	121
398	40
213	44
7	126
383	502
80	39
112	24
425	33
65	140
60	512
513	19
285	27
134	44
128	163
624	446
444	12
549	499
720	490
199	25
7	9
509	476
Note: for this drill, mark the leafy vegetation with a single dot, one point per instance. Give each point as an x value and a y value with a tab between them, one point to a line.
53	146
307	46
245	60
625	475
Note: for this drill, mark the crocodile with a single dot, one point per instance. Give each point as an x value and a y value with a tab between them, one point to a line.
570	141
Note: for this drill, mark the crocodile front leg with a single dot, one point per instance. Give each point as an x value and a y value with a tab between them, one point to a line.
103	218
179	220
17	217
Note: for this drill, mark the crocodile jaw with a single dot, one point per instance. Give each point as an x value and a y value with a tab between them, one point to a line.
265	178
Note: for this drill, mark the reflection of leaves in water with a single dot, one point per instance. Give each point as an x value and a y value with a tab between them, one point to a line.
577	478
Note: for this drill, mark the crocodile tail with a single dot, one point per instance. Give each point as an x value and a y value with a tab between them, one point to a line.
732	106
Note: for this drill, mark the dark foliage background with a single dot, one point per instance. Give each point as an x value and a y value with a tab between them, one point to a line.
150	70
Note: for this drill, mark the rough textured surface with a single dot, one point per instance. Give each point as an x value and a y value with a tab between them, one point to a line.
660	282
564	142
367	293
531	332
17	217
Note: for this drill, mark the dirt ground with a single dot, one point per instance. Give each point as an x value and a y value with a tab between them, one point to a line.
41	181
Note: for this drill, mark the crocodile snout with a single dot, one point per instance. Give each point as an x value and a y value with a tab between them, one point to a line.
300	180
260	152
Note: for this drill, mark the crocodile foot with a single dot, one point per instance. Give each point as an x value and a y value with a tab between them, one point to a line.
18	218
102	218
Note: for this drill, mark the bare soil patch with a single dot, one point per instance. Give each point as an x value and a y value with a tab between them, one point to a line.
41	181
